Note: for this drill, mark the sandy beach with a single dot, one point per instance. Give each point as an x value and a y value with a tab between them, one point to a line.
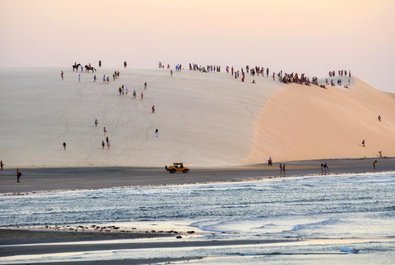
46	179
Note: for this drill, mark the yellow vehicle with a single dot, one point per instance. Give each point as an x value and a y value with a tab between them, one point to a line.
177	167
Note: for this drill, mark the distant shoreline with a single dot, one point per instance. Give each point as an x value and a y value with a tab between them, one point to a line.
51	179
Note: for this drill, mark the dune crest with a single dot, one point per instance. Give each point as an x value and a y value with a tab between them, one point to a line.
301	123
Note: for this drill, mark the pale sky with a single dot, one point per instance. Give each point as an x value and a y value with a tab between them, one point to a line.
311	36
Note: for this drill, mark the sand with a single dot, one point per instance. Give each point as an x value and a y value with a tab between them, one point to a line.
204	119
301	123
46	179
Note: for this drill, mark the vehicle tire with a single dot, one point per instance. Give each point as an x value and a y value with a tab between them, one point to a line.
173	171
185	171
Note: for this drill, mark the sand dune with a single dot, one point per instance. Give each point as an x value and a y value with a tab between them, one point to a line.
203	119
301	122
206	120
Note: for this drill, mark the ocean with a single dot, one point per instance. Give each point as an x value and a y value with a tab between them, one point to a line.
326	215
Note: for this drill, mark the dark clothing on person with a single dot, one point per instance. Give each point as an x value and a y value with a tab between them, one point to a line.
18	175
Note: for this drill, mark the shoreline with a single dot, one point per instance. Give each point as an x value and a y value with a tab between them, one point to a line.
88	178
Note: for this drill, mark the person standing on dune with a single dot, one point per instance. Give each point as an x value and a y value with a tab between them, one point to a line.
61	74
363	143
1	165
379	118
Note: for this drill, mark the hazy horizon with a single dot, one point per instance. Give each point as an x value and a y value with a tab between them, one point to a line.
301	35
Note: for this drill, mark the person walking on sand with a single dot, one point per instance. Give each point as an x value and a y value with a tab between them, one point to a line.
134	94
145	85
61	74
102	144
283	168
270	162
64	146
379	118
96	122
108	142
363	143
374	164
1	165
156	133
142	96
18	175
153	108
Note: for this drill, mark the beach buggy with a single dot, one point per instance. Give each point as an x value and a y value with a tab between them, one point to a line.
177	167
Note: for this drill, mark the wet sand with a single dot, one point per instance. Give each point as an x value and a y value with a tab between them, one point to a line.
31	249
45	179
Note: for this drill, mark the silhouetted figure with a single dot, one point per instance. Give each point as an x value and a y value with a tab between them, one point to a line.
96	122
100	63
142	96
379	118
270	162
104	130
283	168
18	175
374	164
145	85
125	64
102	144
171	72
380	154
134	94
156	133
363	143
153	108
61	74
108	142
322	168
64	146
1	165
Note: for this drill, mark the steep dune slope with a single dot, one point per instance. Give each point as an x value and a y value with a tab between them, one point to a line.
301	122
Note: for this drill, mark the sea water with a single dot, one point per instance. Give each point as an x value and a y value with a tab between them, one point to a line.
325	213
